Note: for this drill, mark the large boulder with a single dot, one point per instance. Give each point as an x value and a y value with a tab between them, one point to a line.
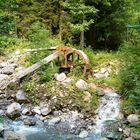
60	77
21	97
132	118
13	110
81	84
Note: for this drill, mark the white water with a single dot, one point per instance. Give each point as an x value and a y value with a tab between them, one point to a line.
109	109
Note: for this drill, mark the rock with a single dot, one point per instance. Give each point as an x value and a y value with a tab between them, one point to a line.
1	112
92	86
127	132
81	84
36	111
132	118
29	121
87	96
54	121
46	110
67	82
104	139
106	74
1	130
21	97
100	92
98	75
120	116
13	110
103	70
25	111
3	76
83	134
130	138
11	135
60	77
7	70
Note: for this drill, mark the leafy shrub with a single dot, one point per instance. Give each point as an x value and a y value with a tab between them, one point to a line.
131	77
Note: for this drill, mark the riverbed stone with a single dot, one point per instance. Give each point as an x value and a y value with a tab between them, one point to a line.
81	84
13	110
83	134
1	112
25	111
60	77
3	76
21	96
45	111
36	110
2	130
11	135
132	118
54	121
29	121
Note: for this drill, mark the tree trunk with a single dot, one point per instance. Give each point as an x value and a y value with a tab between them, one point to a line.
82	38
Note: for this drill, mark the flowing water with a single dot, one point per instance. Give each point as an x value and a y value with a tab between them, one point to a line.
109	109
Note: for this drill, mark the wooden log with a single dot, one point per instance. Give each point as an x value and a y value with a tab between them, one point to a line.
41	49
15	77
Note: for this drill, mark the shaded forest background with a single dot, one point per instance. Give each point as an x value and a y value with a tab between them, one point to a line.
95	23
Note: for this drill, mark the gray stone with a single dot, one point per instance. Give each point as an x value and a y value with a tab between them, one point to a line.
46	110
29	121
60	77
13	110
7	70
104	139
98	75
83	134
21	97
132	118
3	76
103	70
2	130
36	111
67	82
1	112
54	121
25	111
11	135
81	85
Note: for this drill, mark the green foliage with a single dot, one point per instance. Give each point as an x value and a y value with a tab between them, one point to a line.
131	77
